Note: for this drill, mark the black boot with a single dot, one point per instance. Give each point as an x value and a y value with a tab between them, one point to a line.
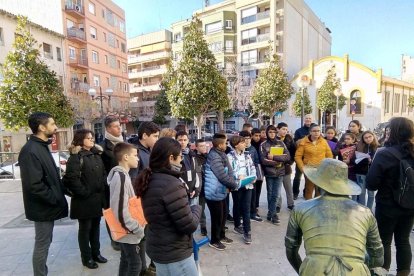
90	264
100	259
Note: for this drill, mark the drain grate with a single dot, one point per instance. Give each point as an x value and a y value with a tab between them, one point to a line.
21	221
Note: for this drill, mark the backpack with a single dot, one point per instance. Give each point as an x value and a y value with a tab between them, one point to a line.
404	193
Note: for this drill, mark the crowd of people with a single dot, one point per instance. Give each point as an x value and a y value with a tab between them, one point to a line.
175	183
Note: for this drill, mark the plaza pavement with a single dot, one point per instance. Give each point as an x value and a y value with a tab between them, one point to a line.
265	256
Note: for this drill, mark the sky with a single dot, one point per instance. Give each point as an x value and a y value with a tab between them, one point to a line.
373	32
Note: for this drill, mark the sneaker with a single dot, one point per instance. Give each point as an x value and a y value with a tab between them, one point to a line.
238	230
268	218
291	207
277	210
247	238
226	240
295	197
230	218
203	231
275	220
256	218
217	245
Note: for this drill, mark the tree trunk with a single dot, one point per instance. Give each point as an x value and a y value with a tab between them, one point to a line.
199	123
220	120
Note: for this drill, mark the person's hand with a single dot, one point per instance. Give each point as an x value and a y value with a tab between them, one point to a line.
241	177
192	194
270	156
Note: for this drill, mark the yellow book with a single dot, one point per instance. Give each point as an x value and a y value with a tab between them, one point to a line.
276	150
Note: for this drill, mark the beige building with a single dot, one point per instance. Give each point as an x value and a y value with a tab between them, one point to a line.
407	68
375	98
51	44
96	57
148	56
239	33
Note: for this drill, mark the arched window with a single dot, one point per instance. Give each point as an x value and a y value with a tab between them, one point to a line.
355	102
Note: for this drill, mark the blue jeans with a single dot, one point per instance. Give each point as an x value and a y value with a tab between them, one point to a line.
186	267
361	199
273	185
43	239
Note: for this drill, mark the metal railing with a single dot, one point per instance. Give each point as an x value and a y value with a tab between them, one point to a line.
10	169
255	17
76	33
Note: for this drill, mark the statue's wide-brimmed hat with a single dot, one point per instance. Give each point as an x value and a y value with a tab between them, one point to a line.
332	176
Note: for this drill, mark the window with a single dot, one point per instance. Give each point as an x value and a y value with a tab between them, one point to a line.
72	53
123	47
177	37
93	33
91	7
249	57
113	82
229	24
1	37
103	13
124	67
119	64
69	24
112	61
404	103
111	40
125	87
96	80
248	77
122	26
214	27
229	46
248	15
396	103
215	47
58	54
249	36
387	101
95	57
106	59
104	36
47	51
107	82
120	85
117	43
355	105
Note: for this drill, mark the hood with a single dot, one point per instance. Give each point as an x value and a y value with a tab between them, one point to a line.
271	127
76	149
113	171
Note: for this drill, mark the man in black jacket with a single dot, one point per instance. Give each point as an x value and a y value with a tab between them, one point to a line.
299	134
113	136
43	191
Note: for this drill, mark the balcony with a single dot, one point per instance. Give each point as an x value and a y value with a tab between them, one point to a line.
147	72
77	86
255	17
259	38
74	9
253	61
147	87
78	62
146	58
76	35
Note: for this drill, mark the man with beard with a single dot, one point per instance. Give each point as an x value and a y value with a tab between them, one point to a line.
43	191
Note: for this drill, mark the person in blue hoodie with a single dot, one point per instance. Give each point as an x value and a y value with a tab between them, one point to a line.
218	179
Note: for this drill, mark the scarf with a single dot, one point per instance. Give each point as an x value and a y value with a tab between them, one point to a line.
114	139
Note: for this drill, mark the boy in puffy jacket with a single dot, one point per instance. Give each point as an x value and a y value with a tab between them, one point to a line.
219	180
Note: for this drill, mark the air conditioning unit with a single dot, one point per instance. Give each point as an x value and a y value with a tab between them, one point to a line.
77	8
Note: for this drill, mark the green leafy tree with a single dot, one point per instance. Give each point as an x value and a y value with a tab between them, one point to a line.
297	104
326	98
162	109
195	86
272	90
411	101
29	85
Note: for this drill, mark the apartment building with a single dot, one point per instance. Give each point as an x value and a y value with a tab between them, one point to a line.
96	57
148	56
239	33
407	68
51	47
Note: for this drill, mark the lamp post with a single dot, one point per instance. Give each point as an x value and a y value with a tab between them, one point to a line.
303	83
337	93
92	92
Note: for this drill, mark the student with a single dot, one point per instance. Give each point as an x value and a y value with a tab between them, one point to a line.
282	135
171	219
218	180
346	152
201	157
247	127
259	173
274	171
243	166
330	137
257	190
190	171
119	180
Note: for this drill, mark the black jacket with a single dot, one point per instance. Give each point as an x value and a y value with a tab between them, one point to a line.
144	156
383	176
275	167
87	182
291	146
107	156
201	161
190	167
301	132
171	221
43	190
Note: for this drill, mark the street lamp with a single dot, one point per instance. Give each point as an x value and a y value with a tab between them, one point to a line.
337	93
303	83
92	92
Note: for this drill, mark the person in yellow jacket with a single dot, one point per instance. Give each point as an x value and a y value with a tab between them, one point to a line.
310	151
